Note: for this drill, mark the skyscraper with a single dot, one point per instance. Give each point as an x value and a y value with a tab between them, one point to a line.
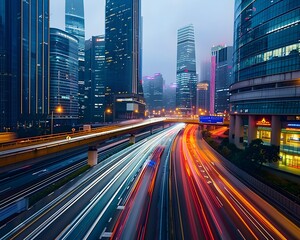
94	76
74	17
153	91
63	75
122	56
265	96
212	85
223	79
186	77
24	62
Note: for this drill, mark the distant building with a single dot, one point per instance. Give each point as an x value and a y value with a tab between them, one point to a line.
265	96
74	19
186	77
213	61
122	59
24	63
94	78
153	91
205	71
63	75
169	97
203	97
224	76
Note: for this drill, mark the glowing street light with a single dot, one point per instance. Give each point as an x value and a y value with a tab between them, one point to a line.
58	109
106	111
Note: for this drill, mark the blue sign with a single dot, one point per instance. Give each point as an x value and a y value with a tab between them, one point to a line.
211	119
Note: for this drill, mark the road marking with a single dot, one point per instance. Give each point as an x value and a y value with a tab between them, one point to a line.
121	207
110	220
241	234
5	189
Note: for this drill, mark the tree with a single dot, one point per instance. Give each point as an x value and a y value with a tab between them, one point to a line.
258	153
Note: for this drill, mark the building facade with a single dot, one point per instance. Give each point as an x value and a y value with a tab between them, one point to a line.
122	56
94	78
265	96
63	75
186	77
24	63
203	97
223	79
153	92
213	68
74	20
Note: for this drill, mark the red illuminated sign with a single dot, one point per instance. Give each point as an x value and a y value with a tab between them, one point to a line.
263	122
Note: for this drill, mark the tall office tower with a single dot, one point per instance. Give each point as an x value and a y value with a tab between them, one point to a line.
212	85
63	75
265	96
94	77
186	77
74	19
203	97
223	79
24	63
122	56
153	92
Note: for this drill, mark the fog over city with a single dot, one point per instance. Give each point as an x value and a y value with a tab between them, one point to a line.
213	22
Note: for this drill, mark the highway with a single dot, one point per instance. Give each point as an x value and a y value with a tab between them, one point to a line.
88	208
210	203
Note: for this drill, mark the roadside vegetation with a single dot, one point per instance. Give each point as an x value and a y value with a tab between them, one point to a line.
252	160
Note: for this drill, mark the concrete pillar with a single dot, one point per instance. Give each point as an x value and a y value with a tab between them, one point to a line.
252	129
232	129
276	130
92	156
132	139
239	131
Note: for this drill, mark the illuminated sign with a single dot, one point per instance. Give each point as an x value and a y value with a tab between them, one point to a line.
263	122
211	119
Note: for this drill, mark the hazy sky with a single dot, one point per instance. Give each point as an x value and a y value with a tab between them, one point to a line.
212	19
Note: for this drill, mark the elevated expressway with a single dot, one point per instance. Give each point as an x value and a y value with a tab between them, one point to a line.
33	148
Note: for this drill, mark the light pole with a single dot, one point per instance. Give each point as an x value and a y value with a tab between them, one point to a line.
59	109
106	111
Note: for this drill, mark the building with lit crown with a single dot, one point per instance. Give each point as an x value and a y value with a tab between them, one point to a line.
74	24
24	63
122	59
265	96
186	77
63	75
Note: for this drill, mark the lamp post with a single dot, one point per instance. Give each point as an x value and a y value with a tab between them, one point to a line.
106	111
59	109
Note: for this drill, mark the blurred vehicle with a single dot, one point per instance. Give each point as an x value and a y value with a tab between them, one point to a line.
7	136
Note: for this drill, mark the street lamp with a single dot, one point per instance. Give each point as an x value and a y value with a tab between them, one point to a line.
59	109
106	111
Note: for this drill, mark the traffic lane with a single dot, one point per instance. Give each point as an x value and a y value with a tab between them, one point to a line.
238	193
58	203
185	215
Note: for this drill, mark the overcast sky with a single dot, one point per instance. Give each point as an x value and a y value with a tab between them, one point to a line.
212	19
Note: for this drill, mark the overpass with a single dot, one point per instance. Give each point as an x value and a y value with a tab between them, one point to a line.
33	148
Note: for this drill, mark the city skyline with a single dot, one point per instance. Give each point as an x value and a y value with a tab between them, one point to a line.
210	29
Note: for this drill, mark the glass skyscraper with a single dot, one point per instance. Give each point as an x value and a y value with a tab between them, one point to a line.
95	69
64	75
265	96
186	77
24	62
224	77
122	56
74	19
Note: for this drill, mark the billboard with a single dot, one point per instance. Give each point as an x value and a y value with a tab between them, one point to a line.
211	119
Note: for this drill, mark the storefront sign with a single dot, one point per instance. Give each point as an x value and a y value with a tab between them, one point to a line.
263	122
